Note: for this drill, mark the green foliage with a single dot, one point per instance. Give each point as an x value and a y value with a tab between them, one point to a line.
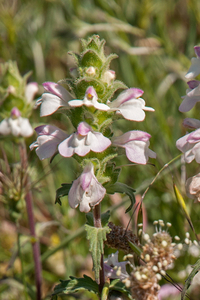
119	187
62	191
74	285
12	90
196	268
96	237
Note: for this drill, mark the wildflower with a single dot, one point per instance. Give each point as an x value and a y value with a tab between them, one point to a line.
90	99
130	105
190	146
56	97
193	187
115	269
83	141
86	191
16	125
49	137
31	90
136	144
109	77
194	70
191	123
192	96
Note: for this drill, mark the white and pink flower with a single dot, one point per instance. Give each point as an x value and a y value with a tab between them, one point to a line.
136	144
83	141
114	269
130	105
56	97
192	96
49	137
16	125
86	191
190	146
89	100
194	70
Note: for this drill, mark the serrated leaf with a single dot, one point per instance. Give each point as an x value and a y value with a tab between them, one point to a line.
122	188
188	281
96	237
62	191
76	284
119	286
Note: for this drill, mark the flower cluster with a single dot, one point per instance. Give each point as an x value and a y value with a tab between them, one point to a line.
190	143
17	101
158	254
86	100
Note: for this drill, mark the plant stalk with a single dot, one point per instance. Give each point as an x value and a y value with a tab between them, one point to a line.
29	208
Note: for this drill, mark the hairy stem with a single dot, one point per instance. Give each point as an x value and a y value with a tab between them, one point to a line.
29	208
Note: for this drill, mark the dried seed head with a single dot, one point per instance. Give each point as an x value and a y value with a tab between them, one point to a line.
119	238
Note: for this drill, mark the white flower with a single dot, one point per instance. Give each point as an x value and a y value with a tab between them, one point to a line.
49	137
83	141
194	70
136	143
89	100
56	97
86	191
130	105
16	125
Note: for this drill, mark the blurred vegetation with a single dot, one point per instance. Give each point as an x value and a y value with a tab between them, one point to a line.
154	41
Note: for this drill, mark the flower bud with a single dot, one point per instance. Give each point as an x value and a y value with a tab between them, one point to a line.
91	71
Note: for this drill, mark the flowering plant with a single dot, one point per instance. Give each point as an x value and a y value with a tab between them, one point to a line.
88	102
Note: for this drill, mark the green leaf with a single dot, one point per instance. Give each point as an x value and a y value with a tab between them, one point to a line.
188	281
122	188
182	204
96	237
76	284
135	248
117	285
104	218
91	58
89	219
62	191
